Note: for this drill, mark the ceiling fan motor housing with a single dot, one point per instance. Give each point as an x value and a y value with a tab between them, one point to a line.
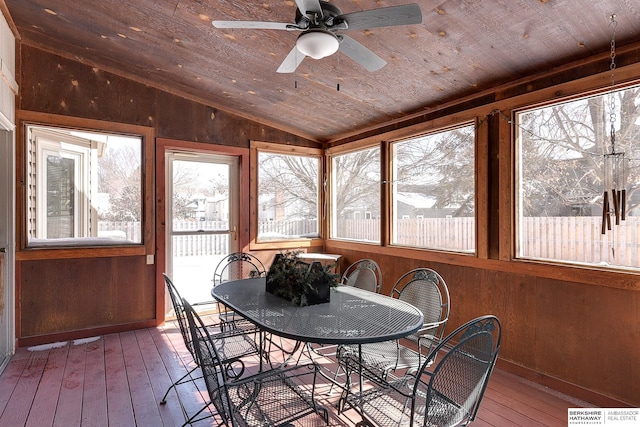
326	21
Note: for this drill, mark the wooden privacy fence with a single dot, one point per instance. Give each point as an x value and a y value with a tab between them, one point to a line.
367	230
129	230
570	239
579	239
453	234
283	229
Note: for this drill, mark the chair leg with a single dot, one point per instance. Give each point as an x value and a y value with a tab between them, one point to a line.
193	419
180	381
336	373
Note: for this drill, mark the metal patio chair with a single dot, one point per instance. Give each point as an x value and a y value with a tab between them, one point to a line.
233	346
273	397
235	266
364	274
447	394
425	289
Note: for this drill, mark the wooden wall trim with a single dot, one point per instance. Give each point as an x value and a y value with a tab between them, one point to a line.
70	121
68	253
505	189
482	187
597	276
559	385
385	193
84	333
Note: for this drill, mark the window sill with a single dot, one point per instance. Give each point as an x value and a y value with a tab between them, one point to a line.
84	250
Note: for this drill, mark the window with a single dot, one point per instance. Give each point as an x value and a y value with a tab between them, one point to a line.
83	188
560	151
433	190
288	192
355	195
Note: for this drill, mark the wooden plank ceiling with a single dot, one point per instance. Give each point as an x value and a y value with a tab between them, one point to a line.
461	47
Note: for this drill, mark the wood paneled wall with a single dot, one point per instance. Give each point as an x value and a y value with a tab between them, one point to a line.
56	85
75	294
70	293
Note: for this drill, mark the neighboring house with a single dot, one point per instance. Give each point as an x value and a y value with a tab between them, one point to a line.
209	208
359	213
416	205
277	207
216	208
266	206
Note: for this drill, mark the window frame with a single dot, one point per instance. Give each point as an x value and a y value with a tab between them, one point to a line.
330	153
85	249
478	167
255	147
517	198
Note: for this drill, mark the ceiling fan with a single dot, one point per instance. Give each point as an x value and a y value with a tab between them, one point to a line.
320	23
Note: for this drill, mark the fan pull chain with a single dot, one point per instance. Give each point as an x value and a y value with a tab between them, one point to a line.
295	73
338	74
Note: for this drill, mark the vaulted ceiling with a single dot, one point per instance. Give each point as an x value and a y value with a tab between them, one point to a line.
460	48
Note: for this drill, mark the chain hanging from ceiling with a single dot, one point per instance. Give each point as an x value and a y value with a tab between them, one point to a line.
614	173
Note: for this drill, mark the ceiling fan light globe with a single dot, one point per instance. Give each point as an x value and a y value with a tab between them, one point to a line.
317	43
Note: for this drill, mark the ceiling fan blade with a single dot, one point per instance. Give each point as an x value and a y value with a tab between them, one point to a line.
291	62
309	6
384	17
360	54
254	25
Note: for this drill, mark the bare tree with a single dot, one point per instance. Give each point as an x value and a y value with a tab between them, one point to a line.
357	182
120	176
440	166
292	181
562	152
183	189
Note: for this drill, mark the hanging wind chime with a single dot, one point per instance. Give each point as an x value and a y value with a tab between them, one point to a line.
614	197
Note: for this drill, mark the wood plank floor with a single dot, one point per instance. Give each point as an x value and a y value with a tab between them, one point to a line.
117	380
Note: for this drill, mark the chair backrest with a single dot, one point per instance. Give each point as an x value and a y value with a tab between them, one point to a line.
238	265
452	391
363	274
208	358
178	308
425	289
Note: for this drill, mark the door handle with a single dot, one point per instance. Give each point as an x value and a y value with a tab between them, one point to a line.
235	232
3	250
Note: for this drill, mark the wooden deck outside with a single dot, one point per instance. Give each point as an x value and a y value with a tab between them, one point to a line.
118	380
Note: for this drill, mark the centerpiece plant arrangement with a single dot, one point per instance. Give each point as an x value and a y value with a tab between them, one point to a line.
300	282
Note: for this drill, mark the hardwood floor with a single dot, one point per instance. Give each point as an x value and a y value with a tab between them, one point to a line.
118	380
